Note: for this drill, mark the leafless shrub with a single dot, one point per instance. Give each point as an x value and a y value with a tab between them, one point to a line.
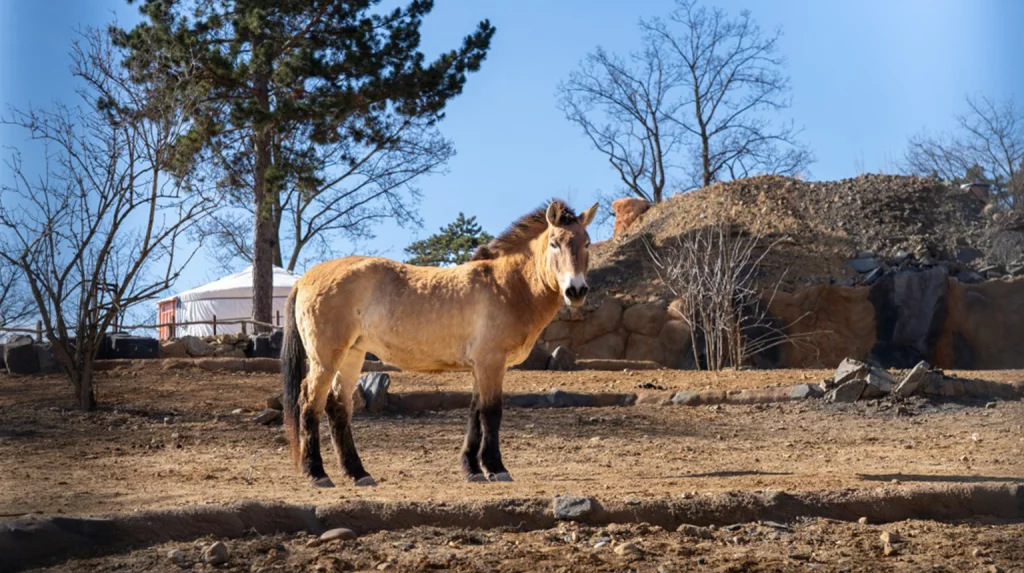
713	271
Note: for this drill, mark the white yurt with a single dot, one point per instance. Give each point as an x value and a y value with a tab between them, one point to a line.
227	298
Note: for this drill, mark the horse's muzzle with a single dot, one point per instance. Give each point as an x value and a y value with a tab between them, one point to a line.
575	296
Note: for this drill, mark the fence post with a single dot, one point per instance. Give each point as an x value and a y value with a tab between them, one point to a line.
277	313
39	331
173	330
243	329
215	325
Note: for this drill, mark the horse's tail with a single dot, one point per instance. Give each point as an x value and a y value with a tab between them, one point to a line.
293	370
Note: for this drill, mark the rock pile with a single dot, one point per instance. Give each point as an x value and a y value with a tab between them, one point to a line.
223	346
847	232
855	380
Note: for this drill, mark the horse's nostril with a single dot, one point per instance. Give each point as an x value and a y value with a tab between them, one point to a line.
583	290
571	292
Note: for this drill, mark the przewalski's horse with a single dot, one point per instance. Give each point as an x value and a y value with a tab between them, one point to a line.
483	316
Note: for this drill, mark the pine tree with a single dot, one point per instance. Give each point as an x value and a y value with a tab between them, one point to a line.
329	70
454	245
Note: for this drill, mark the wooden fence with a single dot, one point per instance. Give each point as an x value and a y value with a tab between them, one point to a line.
167	329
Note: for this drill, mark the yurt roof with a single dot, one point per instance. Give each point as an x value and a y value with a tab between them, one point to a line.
238	285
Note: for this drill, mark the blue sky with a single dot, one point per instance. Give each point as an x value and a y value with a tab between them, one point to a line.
865	76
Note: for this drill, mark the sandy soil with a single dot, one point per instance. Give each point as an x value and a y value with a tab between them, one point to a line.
167	439
811	545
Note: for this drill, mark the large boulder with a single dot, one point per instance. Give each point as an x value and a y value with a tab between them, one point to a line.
20	355
643	347
172	349
557	330
123	345
609	345
197	347
604	320
646	318
562	359
627	211
675	342
265	345
537	360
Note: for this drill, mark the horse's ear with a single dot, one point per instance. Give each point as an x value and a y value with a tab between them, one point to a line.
554	213
588	216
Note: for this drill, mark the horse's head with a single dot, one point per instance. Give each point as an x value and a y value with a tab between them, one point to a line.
568	254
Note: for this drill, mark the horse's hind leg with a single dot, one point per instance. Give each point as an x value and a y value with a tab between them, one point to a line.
489	378
312	401
339	415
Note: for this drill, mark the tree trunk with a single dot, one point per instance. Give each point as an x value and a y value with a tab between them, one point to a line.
264	237
264	230
81	379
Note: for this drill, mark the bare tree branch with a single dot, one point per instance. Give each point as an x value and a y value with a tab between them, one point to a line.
98	232
705	85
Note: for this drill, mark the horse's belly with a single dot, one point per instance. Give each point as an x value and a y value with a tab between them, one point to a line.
418	357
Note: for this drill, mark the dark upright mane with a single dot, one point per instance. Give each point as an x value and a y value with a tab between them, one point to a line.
524	230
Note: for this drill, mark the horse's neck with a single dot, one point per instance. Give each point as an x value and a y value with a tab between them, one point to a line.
523	276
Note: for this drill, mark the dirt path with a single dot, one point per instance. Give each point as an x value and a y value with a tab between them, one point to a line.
169	439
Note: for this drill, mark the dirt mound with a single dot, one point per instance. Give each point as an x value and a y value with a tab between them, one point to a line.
816	227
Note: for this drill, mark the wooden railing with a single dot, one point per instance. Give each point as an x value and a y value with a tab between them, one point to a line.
171	326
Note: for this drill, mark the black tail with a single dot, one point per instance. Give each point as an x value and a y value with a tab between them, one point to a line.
293	370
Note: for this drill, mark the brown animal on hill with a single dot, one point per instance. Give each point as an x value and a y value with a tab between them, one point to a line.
483	316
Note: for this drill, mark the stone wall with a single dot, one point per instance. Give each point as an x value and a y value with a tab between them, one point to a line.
896	322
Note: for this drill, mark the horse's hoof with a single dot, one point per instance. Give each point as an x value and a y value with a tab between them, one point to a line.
366	481
500	476
476	478
323	482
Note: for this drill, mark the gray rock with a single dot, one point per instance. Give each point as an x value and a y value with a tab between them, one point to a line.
912	380
873	276
47	362
847	392
375	390
865	265
572	506
537	360
849	369
216	554
880	379
695	531
268	417
684	398
341	533
627	548
562	399
274	402
562	359
178	558
196	347
804	391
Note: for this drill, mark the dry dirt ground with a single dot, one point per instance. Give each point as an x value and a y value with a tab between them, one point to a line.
169	438
810	545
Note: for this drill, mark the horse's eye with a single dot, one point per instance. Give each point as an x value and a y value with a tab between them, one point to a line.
553	245
586	245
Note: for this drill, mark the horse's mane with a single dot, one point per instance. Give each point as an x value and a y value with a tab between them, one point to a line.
525	229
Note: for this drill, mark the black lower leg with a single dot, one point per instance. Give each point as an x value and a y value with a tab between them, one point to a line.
471	448
309	432
341	435
490	452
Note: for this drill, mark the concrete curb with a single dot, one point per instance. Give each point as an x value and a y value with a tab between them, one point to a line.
52	539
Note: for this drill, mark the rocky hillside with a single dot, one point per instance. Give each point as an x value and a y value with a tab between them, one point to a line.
845	232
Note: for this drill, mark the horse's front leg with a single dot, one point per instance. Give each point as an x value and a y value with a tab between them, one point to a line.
489	379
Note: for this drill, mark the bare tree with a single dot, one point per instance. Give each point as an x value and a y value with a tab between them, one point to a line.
338	190
16	303
623	107
705	84
987	144
97	232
